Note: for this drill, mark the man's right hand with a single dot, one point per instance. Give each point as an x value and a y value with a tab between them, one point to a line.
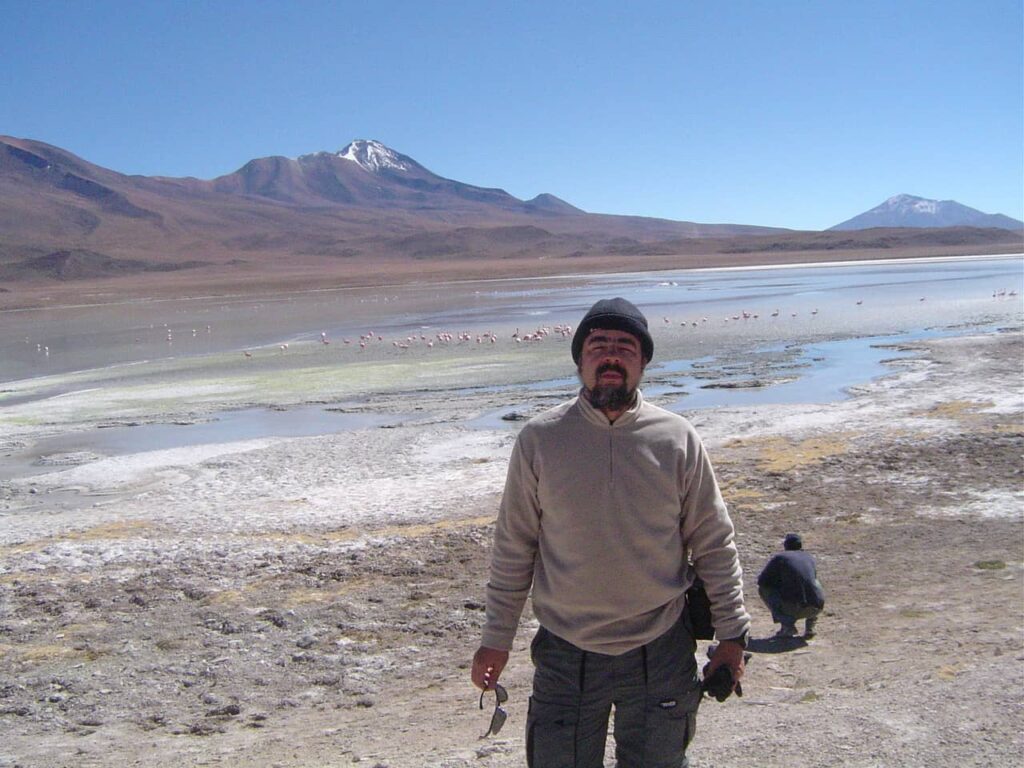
487	666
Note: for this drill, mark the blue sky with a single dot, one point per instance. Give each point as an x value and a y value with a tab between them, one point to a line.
792	114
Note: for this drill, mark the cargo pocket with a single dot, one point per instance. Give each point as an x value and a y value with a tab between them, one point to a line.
671	726
550	735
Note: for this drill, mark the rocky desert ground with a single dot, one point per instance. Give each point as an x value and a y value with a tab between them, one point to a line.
315	601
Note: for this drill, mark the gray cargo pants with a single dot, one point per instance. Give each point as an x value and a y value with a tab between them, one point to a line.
654	690
788	611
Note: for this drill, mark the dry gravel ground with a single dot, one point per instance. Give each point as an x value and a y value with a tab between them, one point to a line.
316	601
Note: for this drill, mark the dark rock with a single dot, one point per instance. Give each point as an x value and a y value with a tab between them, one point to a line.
231	710
274	617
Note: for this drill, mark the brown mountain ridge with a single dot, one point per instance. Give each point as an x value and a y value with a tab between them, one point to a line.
362	215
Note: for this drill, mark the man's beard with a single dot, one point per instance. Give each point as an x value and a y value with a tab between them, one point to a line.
611	397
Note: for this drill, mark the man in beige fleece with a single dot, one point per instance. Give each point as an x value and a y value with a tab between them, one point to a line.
610	508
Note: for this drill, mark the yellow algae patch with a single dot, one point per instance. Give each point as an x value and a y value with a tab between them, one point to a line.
224	597
777	454
21	576
308	596
916	613
121	529
955	409
1010	429
741	494
351	534
50	652
311	596
26	547
851	518
52	576
301	537
415	531
80	629
949	671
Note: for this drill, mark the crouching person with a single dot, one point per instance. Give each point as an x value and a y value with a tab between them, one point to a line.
790	588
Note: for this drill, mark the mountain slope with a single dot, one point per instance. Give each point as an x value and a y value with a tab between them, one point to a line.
364	201
361	214
911	211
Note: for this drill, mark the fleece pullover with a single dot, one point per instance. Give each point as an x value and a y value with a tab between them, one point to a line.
793	575
602	519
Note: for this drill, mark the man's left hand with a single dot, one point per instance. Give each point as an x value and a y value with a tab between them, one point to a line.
729	654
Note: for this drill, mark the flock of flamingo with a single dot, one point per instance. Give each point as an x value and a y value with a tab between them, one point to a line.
448	338
442	338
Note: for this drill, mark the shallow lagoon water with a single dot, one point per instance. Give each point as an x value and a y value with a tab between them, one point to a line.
63	339
817	373
821	326
227	426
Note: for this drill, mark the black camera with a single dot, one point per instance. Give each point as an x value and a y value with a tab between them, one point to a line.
720	684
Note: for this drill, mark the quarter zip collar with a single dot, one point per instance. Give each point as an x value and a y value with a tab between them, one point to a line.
597	418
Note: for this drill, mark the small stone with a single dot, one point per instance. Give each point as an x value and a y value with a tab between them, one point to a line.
231	710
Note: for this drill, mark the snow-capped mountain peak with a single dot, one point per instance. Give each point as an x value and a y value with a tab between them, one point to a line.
374	156
910	203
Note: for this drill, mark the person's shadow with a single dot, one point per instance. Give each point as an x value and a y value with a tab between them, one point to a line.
775	644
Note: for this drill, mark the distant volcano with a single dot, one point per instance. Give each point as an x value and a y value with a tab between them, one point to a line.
911	211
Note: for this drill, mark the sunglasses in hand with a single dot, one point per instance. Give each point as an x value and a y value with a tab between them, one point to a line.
500	715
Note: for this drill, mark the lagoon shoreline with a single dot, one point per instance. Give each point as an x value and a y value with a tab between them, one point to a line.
319	275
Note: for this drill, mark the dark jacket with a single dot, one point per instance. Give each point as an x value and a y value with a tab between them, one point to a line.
793	576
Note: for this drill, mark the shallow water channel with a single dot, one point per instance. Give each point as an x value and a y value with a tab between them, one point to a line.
723	338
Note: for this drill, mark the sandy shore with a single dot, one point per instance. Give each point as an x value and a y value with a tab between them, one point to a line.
315	601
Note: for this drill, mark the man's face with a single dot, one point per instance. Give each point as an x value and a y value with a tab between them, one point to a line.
611	364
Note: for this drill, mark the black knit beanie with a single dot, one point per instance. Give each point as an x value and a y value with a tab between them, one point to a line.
614	315
793	541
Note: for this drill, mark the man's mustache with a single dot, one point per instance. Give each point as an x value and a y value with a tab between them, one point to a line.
606	367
